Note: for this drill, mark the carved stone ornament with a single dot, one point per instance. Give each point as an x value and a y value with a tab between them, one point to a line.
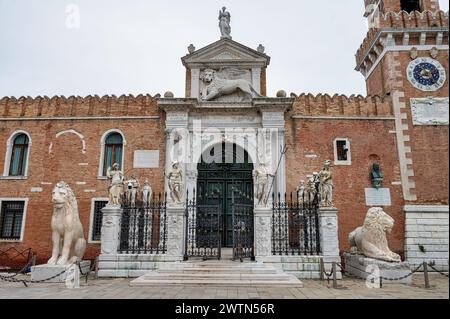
216	87
370	239
224	23
68	240
413	53
434	52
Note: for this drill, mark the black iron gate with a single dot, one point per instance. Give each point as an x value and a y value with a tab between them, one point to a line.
243	226
203	228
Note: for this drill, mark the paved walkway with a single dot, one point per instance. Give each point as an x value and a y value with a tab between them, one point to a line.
313	289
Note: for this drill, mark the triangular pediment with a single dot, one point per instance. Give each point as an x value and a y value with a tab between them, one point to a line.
228	51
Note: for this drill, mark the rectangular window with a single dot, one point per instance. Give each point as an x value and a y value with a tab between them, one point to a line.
97	220
11	219
341	150
342	154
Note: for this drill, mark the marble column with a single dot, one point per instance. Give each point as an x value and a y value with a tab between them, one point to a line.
110	236
263	231
329	237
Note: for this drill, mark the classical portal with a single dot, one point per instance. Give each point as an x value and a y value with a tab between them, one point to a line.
223	134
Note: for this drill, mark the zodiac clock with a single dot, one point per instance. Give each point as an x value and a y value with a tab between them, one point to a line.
426	74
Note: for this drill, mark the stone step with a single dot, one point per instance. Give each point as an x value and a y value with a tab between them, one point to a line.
217	273
224	276
218	270
226	283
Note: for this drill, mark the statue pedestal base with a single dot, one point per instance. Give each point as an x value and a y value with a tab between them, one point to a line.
45	271
362	267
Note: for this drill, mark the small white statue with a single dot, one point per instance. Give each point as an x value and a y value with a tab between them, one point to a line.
68	240
132	186
176	183
311	189
261	177
116	188
147	194
326	185
370	239
300	192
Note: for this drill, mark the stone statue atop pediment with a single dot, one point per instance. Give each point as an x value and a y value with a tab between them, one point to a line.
224	23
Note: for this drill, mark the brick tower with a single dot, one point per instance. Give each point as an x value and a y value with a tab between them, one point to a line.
405	57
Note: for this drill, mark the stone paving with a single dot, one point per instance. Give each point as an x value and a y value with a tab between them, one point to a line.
313	289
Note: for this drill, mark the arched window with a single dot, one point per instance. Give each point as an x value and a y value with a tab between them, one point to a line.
113	151
19	153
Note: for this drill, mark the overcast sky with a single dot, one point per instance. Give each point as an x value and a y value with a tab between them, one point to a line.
135	46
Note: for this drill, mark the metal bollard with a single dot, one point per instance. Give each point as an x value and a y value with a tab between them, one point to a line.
334	276
425	275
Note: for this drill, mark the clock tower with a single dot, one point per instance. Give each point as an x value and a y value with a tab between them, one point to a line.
405	58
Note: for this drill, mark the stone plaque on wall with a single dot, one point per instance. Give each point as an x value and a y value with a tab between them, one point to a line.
378	197
430	111
146	159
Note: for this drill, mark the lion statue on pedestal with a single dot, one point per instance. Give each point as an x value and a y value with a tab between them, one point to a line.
370	239
216	87
68	240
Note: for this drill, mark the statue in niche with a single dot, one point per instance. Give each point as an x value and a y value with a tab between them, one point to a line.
147	194
216	86
261	177
175	178
376	176
132	190
224	23
115	190
326	185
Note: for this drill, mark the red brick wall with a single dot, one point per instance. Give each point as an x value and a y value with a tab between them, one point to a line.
308	137
63	164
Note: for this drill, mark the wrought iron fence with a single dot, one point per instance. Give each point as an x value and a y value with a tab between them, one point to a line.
203	228
295	225
243	226
144	226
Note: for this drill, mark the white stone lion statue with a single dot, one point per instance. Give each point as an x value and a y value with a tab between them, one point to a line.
370	239
217	87
68	240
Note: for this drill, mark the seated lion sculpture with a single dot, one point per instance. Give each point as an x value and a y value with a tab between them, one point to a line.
217	87
67	231
370	239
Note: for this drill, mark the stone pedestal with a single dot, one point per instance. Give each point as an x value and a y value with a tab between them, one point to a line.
263	232
45	271
329	238
175	230
110	236
362	267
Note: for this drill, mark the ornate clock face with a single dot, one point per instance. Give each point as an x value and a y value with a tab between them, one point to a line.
426	74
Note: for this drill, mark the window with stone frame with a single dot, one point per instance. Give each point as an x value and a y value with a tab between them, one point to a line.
19	155
11	219
410	5
113	151
97	219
